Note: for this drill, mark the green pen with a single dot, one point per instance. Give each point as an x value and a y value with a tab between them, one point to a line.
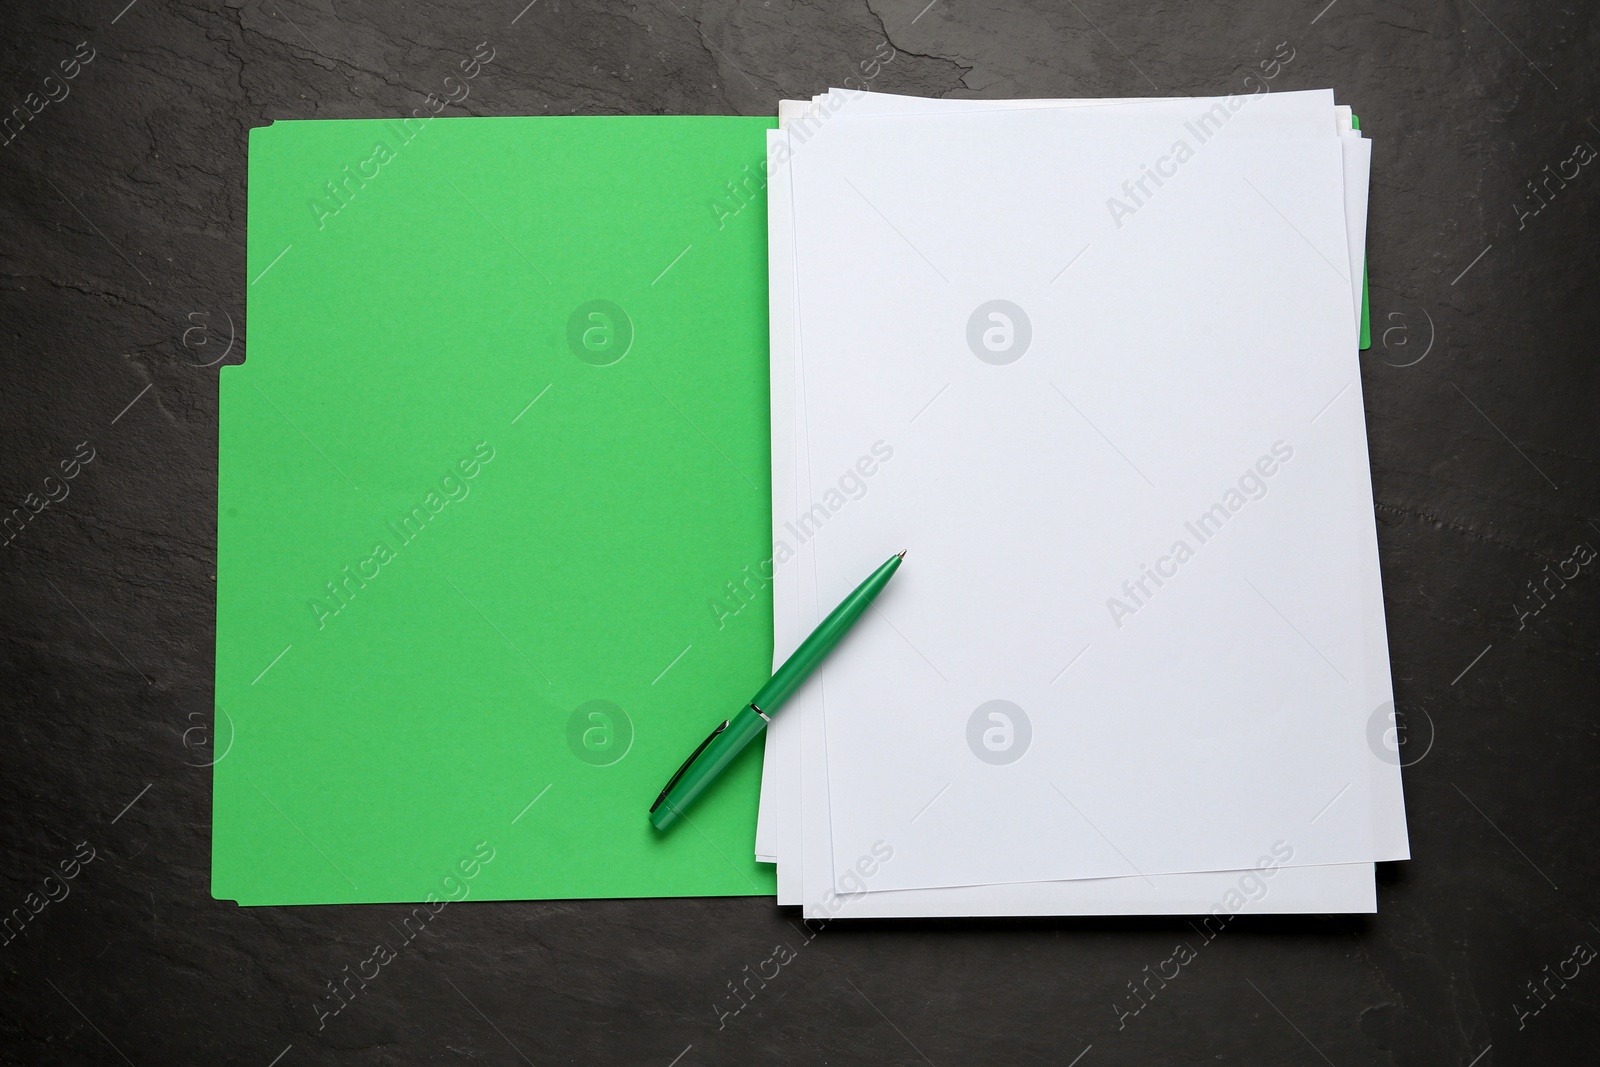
732	735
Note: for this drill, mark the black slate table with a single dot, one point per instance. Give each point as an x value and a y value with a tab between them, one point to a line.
122	233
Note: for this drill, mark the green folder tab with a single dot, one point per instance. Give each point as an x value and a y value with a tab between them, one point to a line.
1366	290
493	510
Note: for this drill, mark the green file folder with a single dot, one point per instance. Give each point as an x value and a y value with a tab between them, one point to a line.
1366	290
493	509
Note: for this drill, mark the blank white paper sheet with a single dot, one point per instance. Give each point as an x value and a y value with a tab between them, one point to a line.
1105	392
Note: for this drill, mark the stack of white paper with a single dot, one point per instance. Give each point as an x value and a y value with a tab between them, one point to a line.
1094	365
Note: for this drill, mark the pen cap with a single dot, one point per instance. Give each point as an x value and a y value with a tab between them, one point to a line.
702	768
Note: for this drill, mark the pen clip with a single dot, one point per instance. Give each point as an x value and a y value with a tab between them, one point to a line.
686	763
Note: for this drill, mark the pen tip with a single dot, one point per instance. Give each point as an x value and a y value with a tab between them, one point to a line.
902	553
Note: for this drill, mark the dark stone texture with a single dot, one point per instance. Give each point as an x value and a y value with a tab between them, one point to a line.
122	210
